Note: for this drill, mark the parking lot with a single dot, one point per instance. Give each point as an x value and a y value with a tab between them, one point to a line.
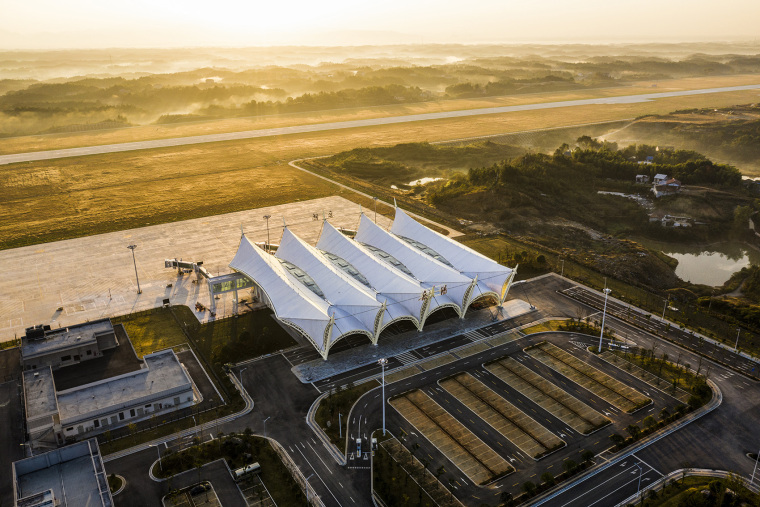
509	418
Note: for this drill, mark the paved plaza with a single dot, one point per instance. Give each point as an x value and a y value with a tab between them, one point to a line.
72	281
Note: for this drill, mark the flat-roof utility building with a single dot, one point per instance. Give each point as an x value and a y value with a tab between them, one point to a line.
161	385
72	476
56	348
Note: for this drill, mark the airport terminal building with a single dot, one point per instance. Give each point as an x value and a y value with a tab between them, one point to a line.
347	286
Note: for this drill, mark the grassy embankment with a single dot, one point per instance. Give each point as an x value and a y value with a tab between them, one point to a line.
103	193
146	132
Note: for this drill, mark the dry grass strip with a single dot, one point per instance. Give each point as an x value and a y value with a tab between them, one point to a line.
606	387
516	426
470	454
436	362
471	350
548	396
649	378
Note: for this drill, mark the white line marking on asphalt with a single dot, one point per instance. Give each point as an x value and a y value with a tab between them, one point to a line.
595	487
320	478
647	464
320	459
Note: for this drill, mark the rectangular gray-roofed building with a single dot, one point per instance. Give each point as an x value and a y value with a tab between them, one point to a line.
70	476
67	346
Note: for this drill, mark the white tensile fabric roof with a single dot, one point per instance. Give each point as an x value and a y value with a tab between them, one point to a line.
491	275
399	291
340	289
344	286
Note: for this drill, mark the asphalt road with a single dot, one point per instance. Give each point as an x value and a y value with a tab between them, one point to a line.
643	320
320	127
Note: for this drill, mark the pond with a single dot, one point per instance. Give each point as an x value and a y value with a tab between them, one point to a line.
711	265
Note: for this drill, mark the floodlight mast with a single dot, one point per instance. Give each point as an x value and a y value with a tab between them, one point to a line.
383	362
375	199
132	247
604	314
267	217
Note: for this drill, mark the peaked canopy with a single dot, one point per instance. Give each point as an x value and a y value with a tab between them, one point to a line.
344	286
491	276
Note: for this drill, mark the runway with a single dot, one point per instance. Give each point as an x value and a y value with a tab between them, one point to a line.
321	127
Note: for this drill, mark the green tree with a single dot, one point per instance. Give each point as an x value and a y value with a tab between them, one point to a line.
633	430
547	478
529	488
649	421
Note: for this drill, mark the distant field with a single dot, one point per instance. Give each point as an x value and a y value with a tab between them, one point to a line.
141	133
52	200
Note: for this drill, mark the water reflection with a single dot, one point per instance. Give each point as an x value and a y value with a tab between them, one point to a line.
712	265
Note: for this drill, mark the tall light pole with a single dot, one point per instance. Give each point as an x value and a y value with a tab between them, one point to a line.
267	217
604	314
665	307
562	273
132	247
308	487
755	470
738	331
382	363
375	199
158	449
240	376
340	426
638	491
265	425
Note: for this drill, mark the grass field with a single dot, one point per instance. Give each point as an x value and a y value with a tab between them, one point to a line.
141	133
549	325
548	396
66	198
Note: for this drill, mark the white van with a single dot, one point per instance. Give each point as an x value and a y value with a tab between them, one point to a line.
241	473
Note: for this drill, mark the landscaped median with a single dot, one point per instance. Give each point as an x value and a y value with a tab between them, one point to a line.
334	409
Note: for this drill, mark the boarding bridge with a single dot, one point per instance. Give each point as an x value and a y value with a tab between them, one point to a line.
232	282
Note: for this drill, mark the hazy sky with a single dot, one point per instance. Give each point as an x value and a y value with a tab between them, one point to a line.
171	23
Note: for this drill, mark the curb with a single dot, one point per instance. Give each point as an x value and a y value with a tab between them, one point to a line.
310	420
123	485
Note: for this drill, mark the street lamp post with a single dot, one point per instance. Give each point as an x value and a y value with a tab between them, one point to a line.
308	487
132	247
738	332
340	425
755	469
638	491
562	272
158	449
267	217
665	307
604	314
265	425
375	199
382	363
